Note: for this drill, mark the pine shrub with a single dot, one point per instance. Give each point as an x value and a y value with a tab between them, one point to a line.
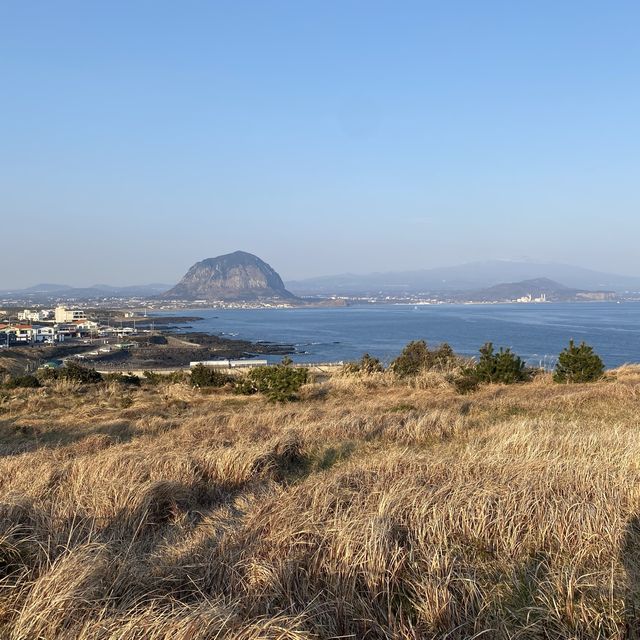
126	379
417	357
25	382
504	367
279	383
578	364
71	371
203	376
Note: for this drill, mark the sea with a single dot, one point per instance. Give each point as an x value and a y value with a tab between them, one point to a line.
537	332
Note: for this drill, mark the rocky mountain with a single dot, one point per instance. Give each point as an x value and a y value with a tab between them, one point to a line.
237	276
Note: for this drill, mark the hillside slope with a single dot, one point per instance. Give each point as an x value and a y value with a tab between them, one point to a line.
369	509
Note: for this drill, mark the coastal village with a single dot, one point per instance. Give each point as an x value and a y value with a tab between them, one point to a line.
50	326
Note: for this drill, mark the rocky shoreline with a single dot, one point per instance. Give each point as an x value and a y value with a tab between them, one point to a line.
170	349
171	345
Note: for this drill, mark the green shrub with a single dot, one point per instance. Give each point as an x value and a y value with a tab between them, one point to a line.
417	357
71	371
414	358
77	373
466	380
44	374
444	357
366	365
152	377
25	382
202	376
177	377
503	367
127	379
578	364
279	383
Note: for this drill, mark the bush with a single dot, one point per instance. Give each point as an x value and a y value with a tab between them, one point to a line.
71	371
443	357
25	382
366	365
280	383
202	376
417	357
152	377
465	381
414	358
503	367
578	364
127	379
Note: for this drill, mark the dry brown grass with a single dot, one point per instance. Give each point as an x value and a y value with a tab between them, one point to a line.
367	510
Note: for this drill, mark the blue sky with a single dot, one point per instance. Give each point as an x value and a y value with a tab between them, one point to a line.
138	137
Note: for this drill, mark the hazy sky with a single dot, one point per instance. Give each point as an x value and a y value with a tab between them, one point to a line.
138	137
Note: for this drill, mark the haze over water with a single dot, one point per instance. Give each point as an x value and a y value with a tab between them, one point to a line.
537	332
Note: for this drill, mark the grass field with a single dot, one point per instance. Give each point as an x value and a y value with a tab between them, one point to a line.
369	509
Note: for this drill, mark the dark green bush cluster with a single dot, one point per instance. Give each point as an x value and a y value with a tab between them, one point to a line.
503	366
366	365
71	371
575	364
279	383
417	357
202	376
153	378
127	379
23	382
578	364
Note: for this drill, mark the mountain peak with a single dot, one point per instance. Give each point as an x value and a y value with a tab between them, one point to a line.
235	276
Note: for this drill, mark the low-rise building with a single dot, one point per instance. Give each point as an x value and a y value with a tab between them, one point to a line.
44	333
66	330
62	314
34	316
86	326
20	332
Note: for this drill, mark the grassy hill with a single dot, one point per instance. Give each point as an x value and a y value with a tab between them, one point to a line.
369	509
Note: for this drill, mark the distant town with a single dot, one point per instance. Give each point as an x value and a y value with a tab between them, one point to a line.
49	326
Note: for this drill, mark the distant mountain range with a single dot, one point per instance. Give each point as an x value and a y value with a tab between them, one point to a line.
466	277
551	290
243	276
46	291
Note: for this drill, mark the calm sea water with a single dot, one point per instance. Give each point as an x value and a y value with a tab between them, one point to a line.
536	332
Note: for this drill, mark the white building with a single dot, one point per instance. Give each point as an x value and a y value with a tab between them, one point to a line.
34	316
62	314
43	334
529	298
